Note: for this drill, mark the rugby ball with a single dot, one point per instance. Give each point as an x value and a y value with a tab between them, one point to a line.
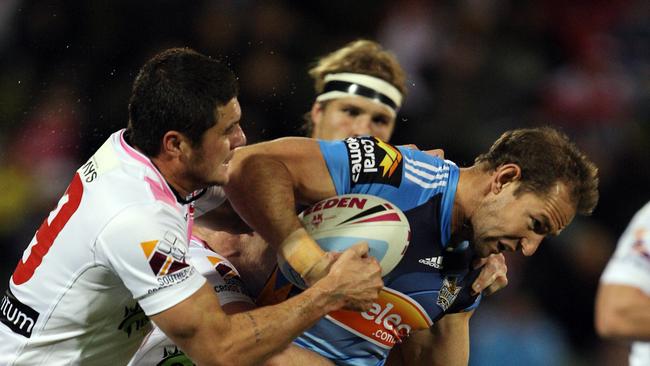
339	222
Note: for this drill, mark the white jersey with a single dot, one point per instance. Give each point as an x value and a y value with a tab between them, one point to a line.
157	349
110	254
630	266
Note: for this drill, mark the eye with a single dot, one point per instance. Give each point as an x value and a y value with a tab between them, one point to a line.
351	111
380	120
538	227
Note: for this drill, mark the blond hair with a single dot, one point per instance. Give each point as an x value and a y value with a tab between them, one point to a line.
362	57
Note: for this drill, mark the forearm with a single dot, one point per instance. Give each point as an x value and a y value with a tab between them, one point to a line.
265	331
622	312
210	337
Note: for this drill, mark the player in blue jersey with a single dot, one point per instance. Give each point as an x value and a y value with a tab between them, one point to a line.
529	184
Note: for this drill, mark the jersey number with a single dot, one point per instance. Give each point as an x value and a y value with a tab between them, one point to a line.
49	230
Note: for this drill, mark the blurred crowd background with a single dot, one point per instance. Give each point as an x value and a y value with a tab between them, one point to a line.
475	68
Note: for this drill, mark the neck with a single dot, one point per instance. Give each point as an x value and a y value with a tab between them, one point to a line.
169	173
473	184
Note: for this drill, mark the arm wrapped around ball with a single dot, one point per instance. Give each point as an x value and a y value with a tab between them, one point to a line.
299	175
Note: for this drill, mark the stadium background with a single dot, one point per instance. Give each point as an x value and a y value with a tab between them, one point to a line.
476	68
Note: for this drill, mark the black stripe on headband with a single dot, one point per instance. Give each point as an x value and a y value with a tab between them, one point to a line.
358	89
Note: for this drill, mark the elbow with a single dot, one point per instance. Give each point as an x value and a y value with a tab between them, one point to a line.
610	324
604	325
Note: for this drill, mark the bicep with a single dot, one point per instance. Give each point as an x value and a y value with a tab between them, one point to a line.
302	159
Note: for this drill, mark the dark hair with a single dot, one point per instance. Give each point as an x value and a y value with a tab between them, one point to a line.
178	89
545	157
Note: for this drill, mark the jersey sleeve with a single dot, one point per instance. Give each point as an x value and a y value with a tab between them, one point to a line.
220	273
336	158
146	247
630	264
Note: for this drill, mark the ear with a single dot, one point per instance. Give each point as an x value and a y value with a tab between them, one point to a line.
173	143
316	113
505	175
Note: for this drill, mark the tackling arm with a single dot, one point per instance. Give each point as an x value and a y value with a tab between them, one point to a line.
211	337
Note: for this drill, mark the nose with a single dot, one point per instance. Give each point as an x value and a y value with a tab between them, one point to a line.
362	126
237	138
529	245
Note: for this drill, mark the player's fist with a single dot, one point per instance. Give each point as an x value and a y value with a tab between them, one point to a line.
493	274
356	278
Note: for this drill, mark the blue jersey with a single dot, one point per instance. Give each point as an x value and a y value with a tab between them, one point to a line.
430	281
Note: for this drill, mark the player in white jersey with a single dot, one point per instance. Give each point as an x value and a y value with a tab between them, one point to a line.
113	252
623	300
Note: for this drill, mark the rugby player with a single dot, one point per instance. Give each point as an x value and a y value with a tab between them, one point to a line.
530	184
112	255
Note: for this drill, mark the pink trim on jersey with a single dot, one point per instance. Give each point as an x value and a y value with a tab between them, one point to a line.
160	189
190	222
158	192
199	241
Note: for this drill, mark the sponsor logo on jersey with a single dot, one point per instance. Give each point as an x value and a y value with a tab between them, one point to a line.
20	318
230	277
448	293
134	319
373	161
172	356
165	256
435	262
390	320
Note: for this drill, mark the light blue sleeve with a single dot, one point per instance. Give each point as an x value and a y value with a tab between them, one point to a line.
338	164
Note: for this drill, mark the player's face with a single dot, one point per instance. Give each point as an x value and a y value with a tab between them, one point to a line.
351	116
209	162
505	222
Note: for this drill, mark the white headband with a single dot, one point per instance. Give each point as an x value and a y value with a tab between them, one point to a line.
347	84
